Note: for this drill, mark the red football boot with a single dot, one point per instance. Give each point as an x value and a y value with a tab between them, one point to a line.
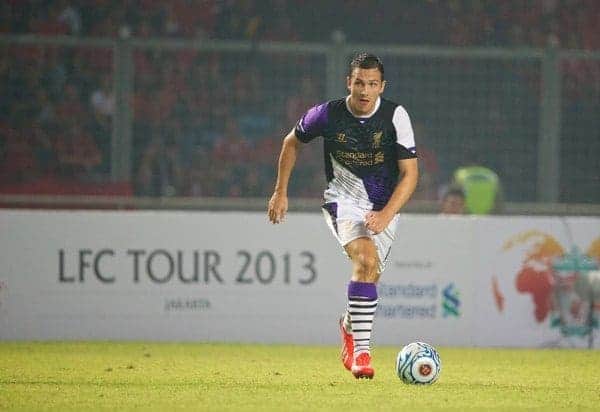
361	367
347	345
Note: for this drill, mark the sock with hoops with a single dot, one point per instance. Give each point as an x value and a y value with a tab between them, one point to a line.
362	303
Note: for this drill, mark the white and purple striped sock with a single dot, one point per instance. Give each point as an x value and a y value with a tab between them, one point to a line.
362	304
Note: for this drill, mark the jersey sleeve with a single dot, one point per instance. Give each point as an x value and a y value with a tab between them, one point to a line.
312	123
405	138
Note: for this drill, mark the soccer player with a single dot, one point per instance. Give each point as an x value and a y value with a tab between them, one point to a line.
371	168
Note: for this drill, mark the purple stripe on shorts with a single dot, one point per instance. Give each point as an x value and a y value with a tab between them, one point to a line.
331	208
362	290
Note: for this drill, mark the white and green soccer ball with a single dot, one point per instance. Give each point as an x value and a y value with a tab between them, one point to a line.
418	363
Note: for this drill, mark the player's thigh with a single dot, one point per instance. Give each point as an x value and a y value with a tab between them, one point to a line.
362	251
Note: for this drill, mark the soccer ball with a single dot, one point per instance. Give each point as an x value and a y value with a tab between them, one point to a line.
418	363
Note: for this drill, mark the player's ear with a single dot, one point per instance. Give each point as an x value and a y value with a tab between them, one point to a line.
382	86
348	82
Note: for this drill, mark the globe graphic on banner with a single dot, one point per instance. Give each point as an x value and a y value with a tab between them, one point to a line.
559	282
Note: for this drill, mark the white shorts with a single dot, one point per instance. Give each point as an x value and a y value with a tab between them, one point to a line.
347	222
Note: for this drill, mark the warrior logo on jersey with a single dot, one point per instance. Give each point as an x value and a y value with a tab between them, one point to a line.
377	140
341	137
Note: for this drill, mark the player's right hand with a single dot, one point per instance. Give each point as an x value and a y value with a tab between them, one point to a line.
278	206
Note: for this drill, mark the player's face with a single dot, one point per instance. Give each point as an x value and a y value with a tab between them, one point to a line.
365	86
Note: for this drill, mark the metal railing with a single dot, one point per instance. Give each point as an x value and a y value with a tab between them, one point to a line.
259	205
534	145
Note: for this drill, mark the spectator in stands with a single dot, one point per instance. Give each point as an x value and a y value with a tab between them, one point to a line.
251	183
161	172
46	113
453	201
481	186
54	72
231	147
17	161
171	22
70	109
6	18
102	99
200	179
43	147
100	127
282	30
77	152
240	20
69	15
48	21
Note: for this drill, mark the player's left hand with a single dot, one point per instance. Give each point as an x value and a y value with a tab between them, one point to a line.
376	222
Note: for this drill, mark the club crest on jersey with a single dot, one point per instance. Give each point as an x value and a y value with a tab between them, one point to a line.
341	137
377	140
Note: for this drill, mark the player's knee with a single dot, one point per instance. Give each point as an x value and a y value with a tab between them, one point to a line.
366	265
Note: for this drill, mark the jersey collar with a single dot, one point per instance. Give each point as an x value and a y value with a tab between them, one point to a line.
377	104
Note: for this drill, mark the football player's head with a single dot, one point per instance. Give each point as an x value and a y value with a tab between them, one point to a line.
366	61
365	82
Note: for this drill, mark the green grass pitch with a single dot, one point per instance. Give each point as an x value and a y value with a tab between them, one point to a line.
86	376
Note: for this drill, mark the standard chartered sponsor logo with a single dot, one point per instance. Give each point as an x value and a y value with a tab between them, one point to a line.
360	158
418	301
410	290
450	301
408	301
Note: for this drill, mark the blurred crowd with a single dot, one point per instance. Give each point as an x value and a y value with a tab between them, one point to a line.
536	23
201	127
210	124
55	117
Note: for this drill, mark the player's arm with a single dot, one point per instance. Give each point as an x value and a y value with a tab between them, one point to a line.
409	175
278	205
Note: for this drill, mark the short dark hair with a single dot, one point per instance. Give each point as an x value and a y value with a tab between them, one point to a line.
366	61
454	191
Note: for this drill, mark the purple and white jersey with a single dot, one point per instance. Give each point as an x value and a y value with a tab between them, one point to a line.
361	153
